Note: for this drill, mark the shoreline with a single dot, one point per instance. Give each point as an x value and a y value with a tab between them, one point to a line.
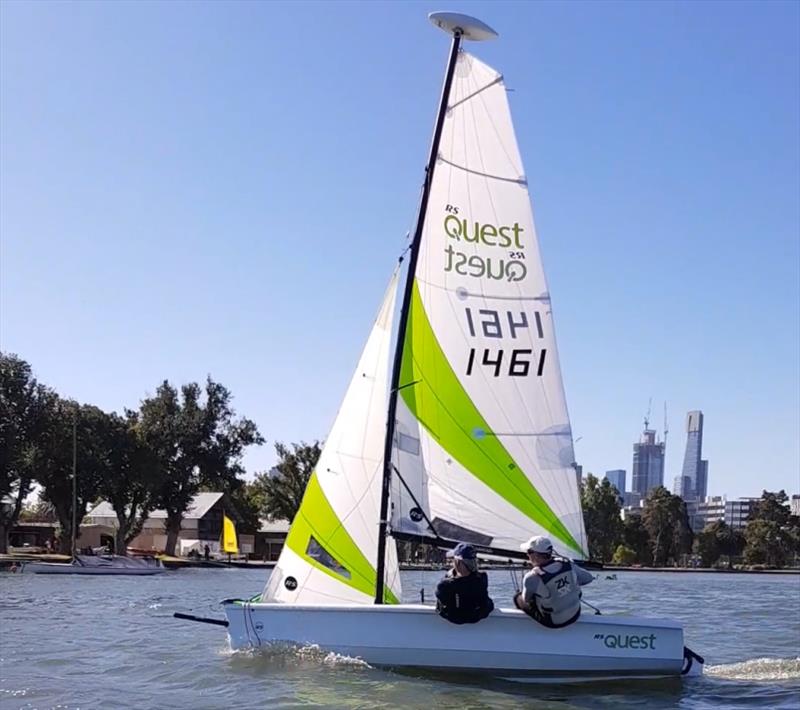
6	561
613	570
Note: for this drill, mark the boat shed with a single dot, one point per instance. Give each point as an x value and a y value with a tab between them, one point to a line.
201	525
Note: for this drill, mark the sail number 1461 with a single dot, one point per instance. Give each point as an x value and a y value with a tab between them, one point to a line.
492	325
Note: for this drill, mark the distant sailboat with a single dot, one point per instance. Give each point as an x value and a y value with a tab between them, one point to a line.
477	444
228	542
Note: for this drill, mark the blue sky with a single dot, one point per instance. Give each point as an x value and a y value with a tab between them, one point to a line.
223	188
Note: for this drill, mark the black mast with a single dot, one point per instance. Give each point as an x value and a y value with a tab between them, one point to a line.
401	330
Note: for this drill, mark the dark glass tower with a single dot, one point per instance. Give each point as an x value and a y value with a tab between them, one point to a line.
694	475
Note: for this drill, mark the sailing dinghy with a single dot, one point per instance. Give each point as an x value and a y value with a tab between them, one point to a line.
476	445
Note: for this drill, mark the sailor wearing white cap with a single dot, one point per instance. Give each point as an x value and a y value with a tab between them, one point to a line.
551	590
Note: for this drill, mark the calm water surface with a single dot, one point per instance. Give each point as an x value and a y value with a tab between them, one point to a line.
111	642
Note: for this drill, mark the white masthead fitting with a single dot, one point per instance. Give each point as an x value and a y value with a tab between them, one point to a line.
469	27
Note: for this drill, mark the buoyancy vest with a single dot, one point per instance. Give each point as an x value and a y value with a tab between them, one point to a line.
559	594
464	600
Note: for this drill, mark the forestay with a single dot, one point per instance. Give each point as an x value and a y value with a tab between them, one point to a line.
329	554
483	440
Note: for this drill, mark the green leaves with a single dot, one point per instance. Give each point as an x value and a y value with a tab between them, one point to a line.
196	441
23	403
667	524
772	534
158	456
284	487
601	517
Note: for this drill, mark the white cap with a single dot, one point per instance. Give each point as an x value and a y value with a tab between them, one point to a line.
538	543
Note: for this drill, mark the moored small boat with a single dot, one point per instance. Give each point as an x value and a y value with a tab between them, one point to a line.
99	565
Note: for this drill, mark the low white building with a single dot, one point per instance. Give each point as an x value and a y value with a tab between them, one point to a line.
201	526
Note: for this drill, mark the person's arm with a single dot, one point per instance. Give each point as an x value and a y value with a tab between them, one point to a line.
582	575
530	584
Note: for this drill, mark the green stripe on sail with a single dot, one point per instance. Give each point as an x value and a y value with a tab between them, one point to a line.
441	404
316	518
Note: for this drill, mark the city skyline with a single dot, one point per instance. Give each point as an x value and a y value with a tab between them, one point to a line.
186	198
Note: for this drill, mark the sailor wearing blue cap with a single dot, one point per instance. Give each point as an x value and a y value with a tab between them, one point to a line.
463	595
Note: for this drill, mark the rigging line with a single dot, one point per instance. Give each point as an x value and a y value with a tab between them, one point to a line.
416	502
498	80
446	543
517	181
403	254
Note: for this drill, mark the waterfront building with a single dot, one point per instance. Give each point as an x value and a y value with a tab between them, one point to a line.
201	526
737	512
648	464
705	512
631	500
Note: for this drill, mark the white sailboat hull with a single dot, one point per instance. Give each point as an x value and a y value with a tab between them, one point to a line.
507	644
98	566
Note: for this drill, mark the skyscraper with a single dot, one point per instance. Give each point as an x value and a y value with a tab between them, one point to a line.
680	485
648	464
617	479
694	476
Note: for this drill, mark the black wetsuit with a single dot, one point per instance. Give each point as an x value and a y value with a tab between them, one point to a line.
464	600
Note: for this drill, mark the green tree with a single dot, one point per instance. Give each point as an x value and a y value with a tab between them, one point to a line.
130	477
623	555
767	543
249	499
667	523
636	537
772	534
197	441
601	516
53	462
284	489
709	543
23	405
731	542
773	507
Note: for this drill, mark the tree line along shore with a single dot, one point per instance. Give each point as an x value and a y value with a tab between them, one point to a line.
186	439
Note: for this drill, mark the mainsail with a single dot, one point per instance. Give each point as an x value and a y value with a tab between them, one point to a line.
482	445
329	554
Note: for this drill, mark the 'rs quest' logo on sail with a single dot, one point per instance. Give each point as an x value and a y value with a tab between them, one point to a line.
628	641
509	267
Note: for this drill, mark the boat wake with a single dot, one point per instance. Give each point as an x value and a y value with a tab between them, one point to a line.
283	653
764	669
